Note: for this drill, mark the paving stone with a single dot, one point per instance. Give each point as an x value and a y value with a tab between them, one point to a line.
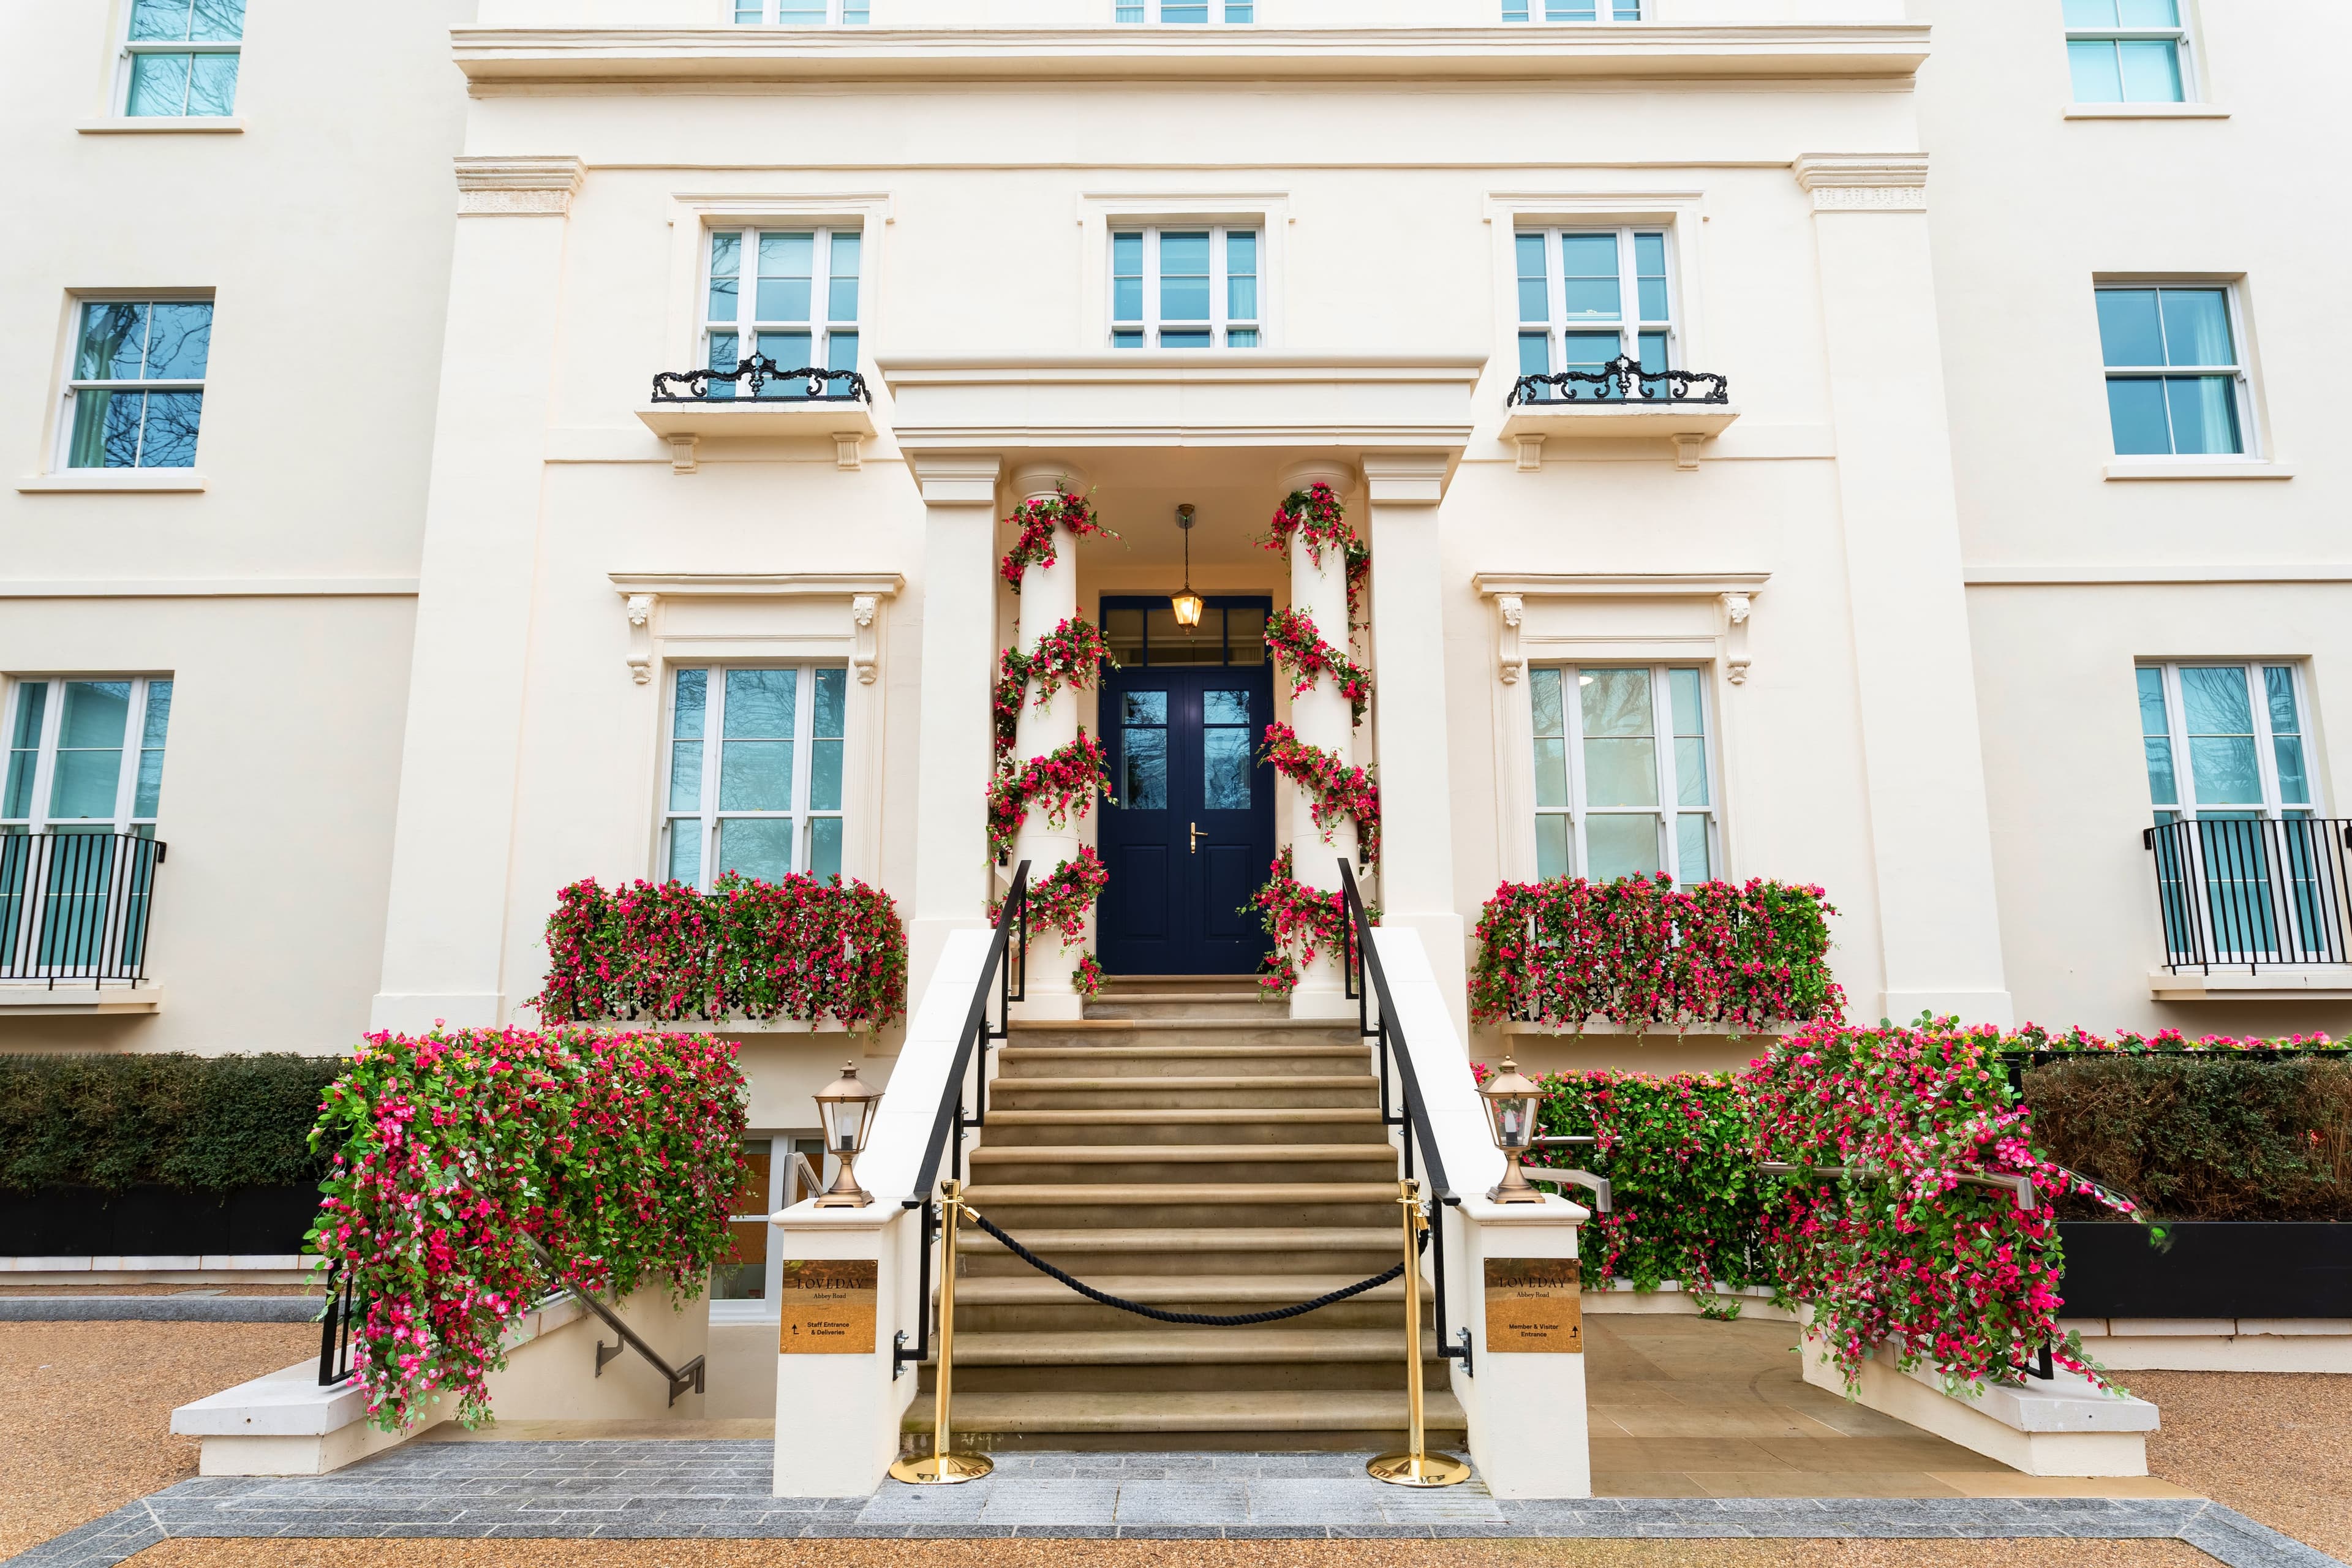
1220	1501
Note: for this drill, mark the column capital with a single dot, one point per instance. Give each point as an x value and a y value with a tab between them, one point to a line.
1039	479
519	188
1336	472
957	479
1864	182
1406	478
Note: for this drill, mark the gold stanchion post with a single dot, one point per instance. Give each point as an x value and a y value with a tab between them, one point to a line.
1413	1467
945	1467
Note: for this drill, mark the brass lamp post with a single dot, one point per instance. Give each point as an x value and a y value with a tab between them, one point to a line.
1511	1101
1187	604
847	1105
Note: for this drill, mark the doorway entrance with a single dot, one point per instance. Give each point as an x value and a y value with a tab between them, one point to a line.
1193	833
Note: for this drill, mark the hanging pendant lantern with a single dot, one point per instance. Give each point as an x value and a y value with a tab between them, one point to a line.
1187	604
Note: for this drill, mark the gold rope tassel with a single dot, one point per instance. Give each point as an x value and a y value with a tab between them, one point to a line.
1414	1467
945	1467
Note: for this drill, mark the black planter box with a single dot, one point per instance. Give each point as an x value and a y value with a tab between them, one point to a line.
155	1222
2213	1269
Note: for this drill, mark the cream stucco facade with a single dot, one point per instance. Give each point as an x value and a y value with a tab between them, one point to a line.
424	589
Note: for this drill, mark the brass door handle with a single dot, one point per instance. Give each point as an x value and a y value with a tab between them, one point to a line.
1194	846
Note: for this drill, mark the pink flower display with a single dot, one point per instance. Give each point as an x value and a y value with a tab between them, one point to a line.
1334	789
1314	517
1064	780
1036	521
1295	642
1301	920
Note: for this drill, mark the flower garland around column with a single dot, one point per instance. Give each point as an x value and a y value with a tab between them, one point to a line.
1315	516
1295	642
1061	901
1037	519
1301	920
1069	656
1336	789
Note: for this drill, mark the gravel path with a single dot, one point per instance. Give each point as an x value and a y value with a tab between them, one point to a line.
2275	1446
85	1411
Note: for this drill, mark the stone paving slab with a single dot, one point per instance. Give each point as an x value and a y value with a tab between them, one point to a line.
717	1489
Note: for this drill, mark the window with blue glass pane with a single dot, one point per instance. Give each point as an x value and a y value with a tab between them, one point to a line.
756	773
2174	379
799	13
1178	13
180	57
1573	10
138	384
1191	287
791	295
1588	296
2126	51
86	755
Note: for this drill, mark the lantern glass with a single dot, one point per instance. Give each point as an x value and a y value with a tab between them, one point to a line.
1187	605
1511	1104
847	1106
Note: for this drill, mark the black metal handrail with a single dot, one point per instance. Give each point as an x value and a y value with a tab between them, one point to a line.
1621	380
997	974
339	1326
757	373
2253	893
1367	984
75	906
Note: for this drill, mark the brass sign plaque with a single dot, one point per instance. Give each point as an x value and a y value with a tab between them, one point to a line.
1535	1306
827	1307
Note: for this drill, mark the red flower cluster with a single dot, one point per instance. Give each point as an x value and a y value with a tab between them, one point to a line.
1314	515
1301	920
800	949
1087	978
1066	780
1641	951
1295	642
1062	899
1037	519
619	1153
1070	655
1899	1251
1335	789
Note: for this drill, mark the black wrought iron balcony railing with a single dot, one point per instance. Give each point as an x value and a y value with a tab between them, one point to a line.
2253	893
74	906
1621	380
760	380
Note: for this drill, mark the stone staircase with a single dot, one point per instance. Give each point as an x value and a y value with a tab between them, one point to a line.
1188	1146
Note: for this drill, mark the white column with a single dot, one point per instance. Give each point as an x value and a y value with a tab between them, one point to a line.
952	741
1049	596
1930	828
1322	718
446	915
1402	490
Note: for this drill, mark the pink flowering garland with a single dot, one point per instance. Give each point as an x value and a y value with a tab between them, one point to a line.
619	1153
1071	655
1334	788
1641	951
1063	898
1036	521
1087	977
1898	1253
1315	516
1064	780
1295	642
798	948
1301	920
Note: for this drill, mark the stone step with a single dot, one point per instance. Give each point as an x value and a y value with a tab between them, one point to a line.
1202	1091
1319	1419
1214	1249
1269	1034
1177	1006
1034	1304
1158	1057
1153	1358
1138	1128
1181	1164
1115	985
1024	1209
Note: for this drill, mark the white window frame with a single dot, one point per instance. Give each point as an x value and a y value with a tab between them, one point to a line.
70	385
1630	323
2240	374
820	325
1669	807
1221	324
37	819
2180	36
131	49
1540	11
784	1191
1221	13
837	12
707	817
2176	714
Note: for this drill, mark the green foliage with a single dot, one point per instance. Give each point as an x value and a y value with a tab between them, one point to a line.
204	1124
2198	1137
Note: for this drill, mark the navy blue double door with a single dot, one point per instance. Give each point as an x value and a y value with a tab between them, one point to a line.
1192	833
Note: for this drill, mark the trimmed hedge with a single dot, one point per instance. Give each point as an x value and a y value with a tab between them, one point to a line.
2196	1137
202	1124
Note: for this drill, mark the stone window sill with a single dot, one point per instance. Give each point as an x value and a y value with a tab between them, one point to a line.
2320	983
2196	468
113	481
34	999
2146	111
163	125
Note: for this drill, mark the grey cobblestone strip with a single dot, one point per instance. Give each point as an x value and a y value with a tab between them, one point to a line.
160	1309
719	1490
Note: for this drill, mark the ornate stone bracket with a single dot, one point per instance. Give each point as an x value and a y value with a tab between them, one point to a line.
1736	609
1510	659
518	187
641	637
1864	181
1734	592
644	596
866	654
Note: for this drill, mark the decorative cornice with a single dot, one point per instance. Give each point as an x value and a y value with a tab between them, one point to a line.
1734	592
518	187
642	591
1864	181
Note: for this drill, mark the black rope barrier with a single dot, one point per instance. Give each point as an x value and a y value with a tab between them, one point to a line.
1202	1320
